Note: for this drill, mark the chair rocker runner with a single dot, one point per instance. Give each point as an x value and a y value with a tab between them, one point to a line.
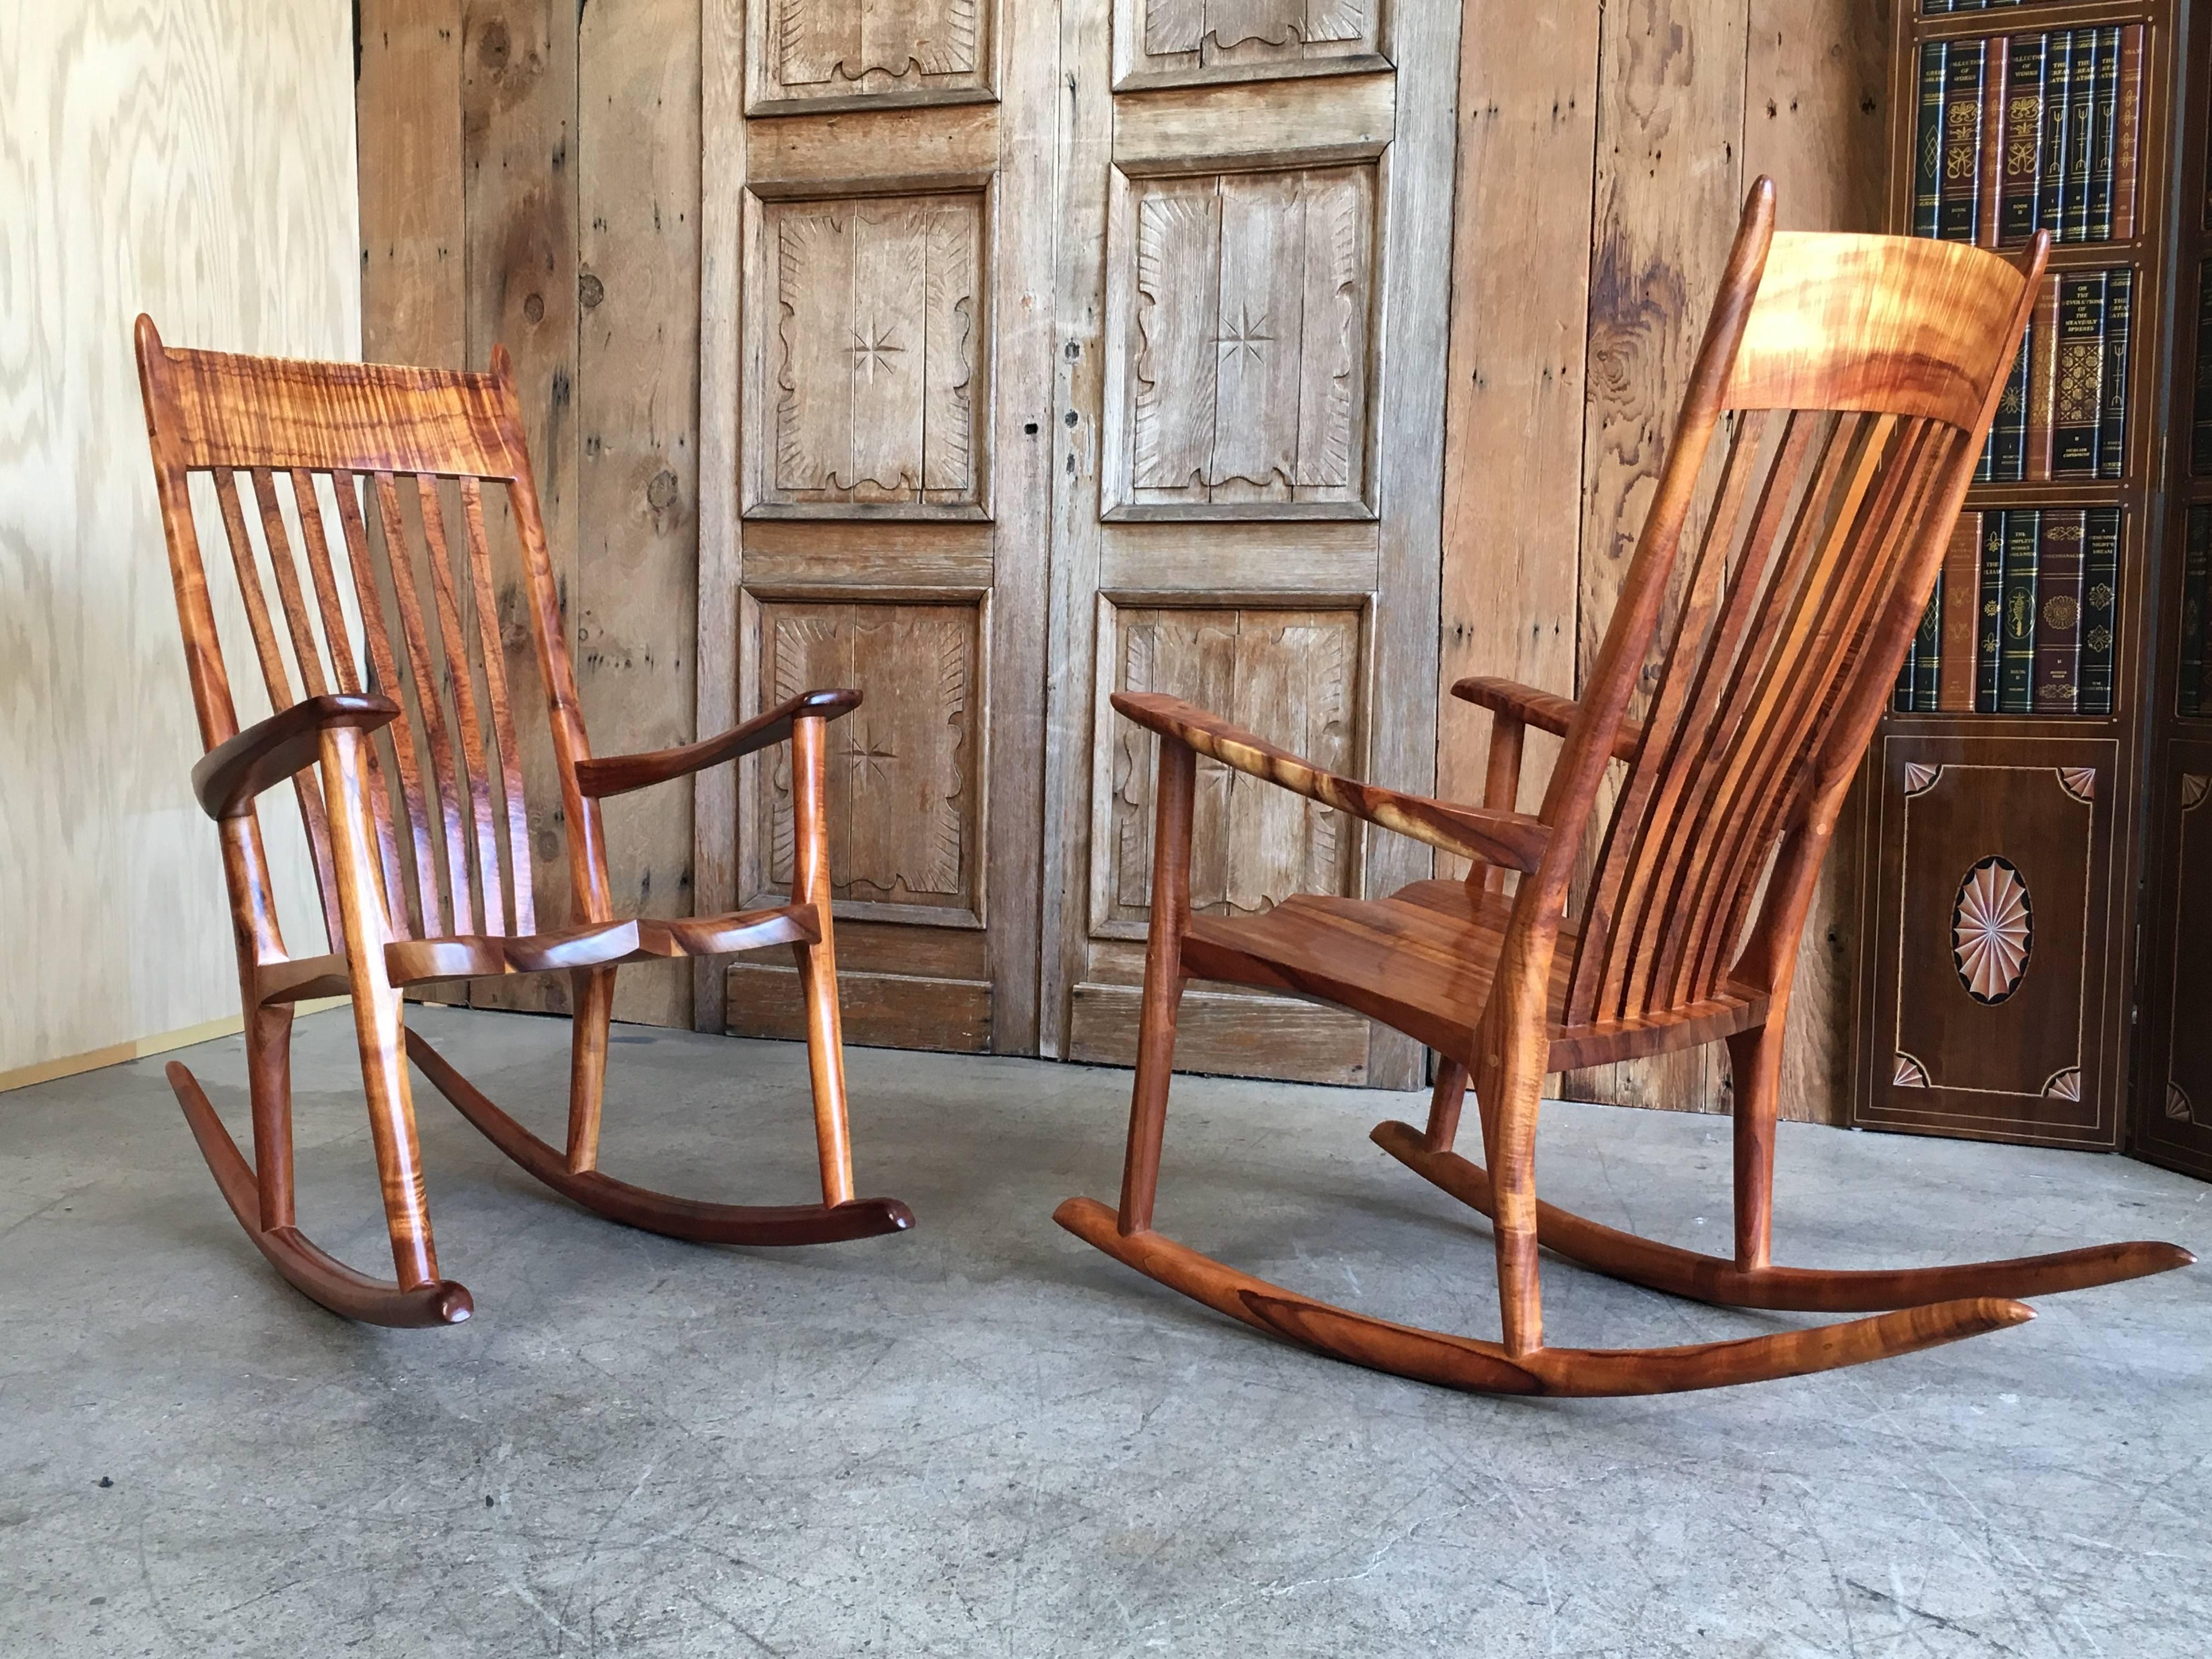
1855	378
431	881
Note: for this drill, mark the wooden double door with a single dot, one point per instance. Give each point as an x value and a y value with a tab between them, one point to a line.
1047	352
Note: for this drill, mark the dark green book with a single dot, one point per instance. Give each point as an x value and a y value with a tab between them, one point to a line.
2080	129
2016	648
2104	110
1928	156
2021	178
2100	609
1902	702
1989	611
2008	437
2113	418
2058	569
2058	106
1928	655
2080	402
2200	431
2196	567
1962	143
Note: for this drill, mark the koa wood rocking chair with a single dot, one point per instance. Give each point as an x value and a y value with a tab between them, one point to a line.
431	883
1844	388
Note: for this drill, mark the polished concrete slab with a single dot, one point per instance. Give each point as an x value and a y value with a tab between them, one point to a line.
984	1439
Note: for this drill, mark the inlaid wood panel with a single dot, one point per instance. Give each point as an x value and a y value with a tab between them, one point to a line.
868	320
2173	1118
1291	676
1986	1000
1239	382
831	54
1161	42
905	794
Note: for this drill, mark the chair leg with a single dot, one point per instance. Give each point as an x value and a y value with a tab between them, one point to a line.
1164	983
269	1082
591	996
1755	1071
825	1064
1444	1103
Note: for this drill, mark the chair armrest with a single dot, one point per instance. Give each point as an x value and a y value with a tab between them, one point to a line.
1513	839
1540	709
230	775
617	775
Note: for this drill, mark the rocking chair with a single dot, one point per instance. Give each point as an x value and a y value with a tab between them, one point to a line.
1863	374
434	886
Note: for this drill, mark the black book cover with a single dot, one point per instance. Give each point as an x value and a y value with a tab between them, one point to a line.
2023	136
2016	648
1989	611
2009	436
2104	107
1927	158
2113	419
1962	143
2057	646
2058	107
1928	656
2080	129
2200	435
2196	567
2080	400
2100	612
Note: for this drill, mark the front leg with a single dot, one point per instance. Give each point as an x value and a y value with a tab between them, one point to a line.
817	961
1163	983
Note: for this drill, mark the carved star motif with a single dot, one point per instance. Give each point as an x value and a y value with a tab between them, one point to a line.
1247	335
873	348
866	760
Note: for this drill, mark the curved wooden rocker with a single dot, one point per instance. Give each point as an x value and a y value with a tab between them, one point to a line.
404	757
1858	376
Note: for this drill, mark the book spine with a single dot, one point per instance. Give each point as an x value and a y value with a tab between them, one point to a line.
2008	437
2058	106
2127	134
2020	183
2100	603
2016	646
1961	581
2196	570
2200	429
1962	143
1928	160
1989	611
2119	328
1996	71
1928	655
2105	111
1901	699
2081	130
2057	644
2042	379
2080	353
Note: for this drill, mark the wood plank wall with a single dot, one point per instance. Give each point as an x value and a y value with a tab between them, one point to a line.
530	172
193	160
1606	153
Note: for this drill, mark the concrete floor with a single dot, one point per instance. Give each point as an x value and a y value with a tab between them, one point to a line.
984	1439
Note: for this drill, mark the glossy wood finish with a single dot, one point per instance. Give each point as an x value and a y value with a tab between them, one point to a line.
410	781
1842	391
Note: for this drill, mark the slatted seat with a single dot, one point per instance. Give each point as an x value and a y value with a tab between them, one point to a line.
1844	388
384	659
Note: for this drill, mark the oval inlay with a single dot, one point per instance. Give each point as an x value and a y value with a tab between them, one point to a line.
1992	931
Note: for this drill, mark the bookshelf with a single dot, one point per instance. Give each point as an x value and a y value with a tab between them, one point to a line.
2000	811
2171	1120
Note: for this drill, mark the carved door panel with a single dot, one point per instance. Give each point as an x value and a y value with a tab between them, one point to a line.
876	358
1255	226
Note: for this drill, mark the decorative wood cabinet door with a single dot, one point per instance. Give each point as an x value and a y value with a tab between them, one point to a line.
2173	1083
1255	226
875	380
1983	1014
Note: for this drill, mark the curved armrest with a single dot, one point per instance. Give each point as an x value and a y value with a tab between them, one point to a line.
617	775
1514	840
230	775
1540	709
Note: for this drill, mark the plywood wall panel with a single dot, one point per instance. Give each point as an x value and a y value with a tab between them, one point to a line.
194	160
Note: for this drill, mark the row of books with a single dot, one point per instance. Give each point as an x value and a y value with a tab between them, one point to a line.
2192	702
2030	132
2064	413
2022	618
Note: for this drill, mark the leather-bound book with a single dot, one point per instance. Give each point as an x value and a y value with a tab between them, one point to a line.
2007	445
2113	418
1996	79
2200	428
1989	611
2081	134
2196	572
2057	114
2127	134
1928	655
2058	573
2042	379
1928	141
2100	609
1961	211
2019	179
2080	401
1962	584
2105	103
2016	648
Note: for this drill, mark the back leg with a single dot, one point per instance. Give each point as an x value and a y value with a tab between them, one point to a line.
1755	1071
592	995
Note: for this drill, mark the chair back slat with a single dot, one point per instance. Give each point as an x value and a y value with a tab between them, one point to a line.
1840	396
395	599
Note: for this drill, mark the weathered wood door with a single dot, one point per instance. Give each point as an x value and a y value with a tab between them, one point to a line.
875	379
1049	350
1256	223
